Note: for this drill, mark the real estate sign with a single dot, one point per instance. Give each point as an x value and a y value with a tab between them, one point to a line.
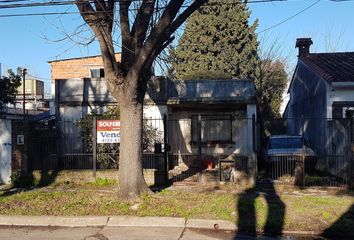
108	131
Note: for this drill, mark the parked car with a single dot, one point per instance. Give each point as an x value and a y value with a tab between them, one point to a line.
287	146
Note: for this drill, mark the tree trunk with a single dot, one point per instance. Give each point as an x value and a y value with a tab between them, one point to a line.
131	178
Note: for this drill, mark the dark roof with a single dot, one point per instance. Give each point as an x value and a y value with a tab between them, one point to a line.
332	67
211	91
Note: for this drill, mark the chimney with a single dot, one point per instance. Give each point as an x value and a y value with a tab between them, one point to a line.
304	46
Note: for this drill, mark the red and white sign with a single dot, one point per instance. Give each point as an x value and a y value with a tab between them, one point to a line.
108	131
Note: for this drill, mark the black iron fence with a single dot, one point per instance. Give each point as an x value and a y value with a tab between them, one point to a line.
321	155
184	148
69	146
198	144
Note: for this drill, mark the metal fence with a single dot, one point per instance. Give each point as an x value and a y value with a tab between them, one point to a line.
68	146
324	157
199	143
190	146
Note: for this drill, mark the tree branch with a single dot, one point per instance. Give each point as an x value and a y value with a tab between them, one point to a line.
127	48
101	25
155	37
184	15
167	39
141	23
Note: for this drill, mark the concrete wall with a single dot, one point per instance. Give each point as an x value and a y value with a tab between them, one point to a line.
212	91
339	98
76	98
33	87
74	68
20	151
343	95
5	150
155	111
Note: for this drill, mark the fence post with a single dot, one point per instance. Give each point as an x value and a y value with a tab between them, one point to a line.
351	178
351	128
254	150
254	133
58	135
94	145
166	148
199	135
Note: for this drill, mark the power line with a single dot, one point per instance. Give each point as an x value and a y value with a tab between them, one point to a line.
70	2
291	17
56	3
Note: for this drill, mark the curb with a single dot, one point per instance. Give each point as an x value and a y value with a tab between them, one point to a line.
132	221
126	221
211	224
55	221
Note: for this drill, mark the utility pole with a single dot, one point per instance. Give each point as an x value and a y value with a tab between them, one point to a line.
24	71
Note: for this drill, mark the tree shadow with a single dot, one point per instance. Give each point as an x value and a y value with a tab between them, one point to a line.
247	206
29	181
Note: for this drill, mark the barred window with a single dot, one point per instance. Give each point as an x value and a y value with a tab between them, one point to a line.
213	128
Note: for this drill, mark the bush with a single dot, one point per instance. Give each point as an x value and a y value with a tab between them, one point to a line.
103	182
22	179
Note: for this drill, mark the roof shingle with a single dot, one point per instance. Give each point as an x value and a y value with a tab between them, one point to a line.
332	67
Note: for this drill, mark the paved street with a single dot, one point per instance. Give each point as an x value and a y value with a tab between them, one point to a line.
122	233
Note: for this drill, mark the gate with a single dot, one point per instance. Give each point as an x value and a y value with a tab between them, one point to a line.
199	144
323	157
5	151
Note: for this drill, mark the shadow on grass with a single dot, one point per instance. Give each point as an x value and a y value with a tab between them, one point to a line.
23	182
343	227
246	207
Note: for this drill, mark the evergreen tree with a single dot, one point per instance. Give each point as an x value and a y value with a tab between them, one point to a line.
218	43
270	85
8	87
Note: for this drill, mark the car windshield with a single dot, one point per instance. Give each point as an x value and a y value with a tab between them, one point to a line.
285	142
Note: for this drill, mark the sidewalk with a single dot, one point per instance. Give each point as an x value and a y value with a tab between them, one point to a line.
111	222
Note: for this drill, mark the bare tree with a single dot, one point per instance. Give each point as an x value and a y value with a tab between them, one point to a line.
272	74
146	28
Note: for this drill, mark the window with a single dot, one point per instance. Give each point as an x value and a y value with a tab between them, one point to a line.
286	142
97	72
213	129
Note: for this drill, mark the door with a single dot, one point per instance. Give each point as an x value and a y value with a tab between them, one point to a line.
5	151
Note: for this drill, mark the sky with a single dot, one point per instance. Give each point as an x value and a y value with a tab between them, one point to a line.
32	41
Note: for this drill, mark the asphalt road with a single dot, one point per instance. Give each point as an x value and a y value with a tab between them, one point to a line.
122	233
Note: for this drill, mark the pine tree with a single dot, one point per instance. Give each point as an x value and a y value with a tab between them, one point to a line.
218	43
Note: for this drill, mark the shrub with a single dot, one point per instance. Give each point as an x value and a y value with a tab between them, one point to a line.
22	179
